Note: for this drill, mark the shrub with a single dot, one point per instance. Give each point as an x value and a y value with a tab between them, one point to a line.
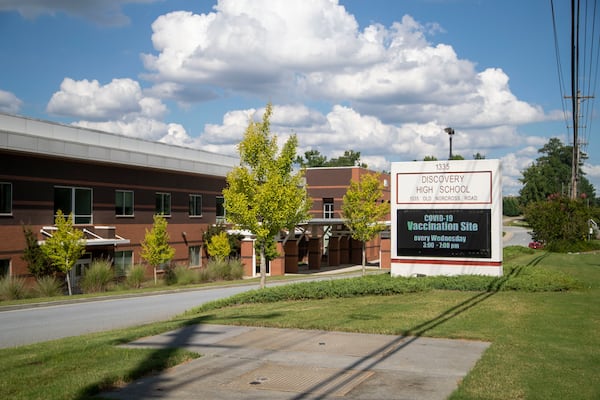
38	263
136	276
219	247
185	276
559	222
217	270
236	269
223	270
48	286
97	277
568	246
12	288
539	279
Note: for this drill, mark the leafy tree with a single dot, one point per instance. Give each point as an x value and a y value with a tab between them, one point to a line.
264	195
362	210
510	206
430	158
559	221
219	247
37	263
155	246
350	158
457	157
551	173
314	158
478	156
65	246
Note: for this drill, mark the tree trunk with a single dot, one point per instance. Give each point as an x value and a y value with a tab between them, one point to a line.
263	267
364	258
69	284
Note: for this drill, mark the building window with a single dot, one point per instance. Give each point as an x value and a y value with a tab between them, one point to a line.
220	209
75	200
194	256
328	208
163	203
4	267
124	203
5	198
123	262
195	205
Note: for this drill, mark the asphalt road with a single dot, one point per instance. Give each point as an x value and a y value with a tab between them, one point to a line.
37	324
31	325
516	236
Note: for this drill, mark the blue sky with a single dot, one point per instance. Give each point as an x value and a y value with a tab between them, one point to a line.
379	77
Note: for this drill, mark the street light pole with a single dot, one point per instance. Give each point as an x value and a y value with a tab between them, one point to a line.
450	133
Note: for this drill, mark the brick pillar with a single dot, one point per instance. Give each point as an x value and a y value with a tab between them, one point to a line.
356	252
277	265
291	257
315	253
345	250
333	251
385	256
247	256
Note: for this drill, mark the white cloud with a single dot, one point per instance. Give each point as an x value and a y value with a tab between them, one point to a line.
315	50
9	103
102	12
92	101
138	127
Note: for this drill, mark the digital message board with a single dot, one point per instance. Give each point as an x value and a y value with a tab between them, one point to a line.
446	218
444	233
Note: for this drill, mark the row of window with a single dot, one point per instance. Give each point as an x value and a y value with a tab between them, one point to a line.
78	201
123	260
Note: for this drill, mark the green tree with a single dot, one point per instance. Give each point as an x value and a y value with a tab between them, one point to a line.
155	246
559	222
264	195
37	263
551	174
363	210
430	158
478	156
313	158
457	157
350	158
510	206
219	247
65	246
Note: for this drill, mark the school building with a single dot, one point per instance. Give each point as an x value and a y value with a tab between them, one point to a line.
113	185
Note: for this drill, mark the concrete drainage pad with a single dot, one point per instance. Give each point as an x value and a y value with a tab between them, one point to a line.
270	363
297	379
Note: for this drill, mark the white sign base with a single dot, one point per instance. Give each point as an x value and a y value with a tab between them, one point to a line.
446	218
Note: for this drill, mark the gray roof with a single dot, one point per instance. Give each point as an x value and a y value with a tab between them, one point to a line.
34	136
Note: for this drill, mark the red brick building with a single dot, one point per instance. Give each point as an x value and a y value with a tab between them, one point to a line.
112	184
324	240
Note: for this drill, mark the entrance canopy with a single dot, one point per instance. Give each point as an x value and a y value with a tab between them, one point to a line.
94	235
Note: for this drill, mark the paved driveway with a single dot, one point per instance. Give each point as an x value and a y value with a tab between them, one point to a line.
271	363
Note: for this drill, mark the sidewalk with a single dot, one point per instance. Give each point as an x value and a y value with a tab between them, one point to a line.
270	363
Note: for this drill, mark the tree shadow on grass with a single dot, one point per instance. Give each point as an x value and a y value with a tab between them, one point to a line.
161	357
411	335
158	360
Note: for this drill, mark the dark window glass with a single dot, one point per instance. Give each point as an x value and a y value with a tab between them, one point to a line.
195	205
5	198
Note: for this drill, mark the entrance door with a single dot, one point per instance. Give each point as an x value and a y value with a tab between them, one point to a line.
76	273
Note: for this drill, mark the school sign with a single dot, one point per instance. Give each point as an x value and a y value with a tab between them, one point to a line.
446	218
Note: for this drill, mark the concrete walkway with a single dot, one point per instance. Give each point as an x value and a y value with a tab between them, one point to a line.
269	363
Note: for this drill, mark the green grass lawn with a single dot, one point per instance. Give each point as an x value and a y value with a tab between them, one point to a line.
545	345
